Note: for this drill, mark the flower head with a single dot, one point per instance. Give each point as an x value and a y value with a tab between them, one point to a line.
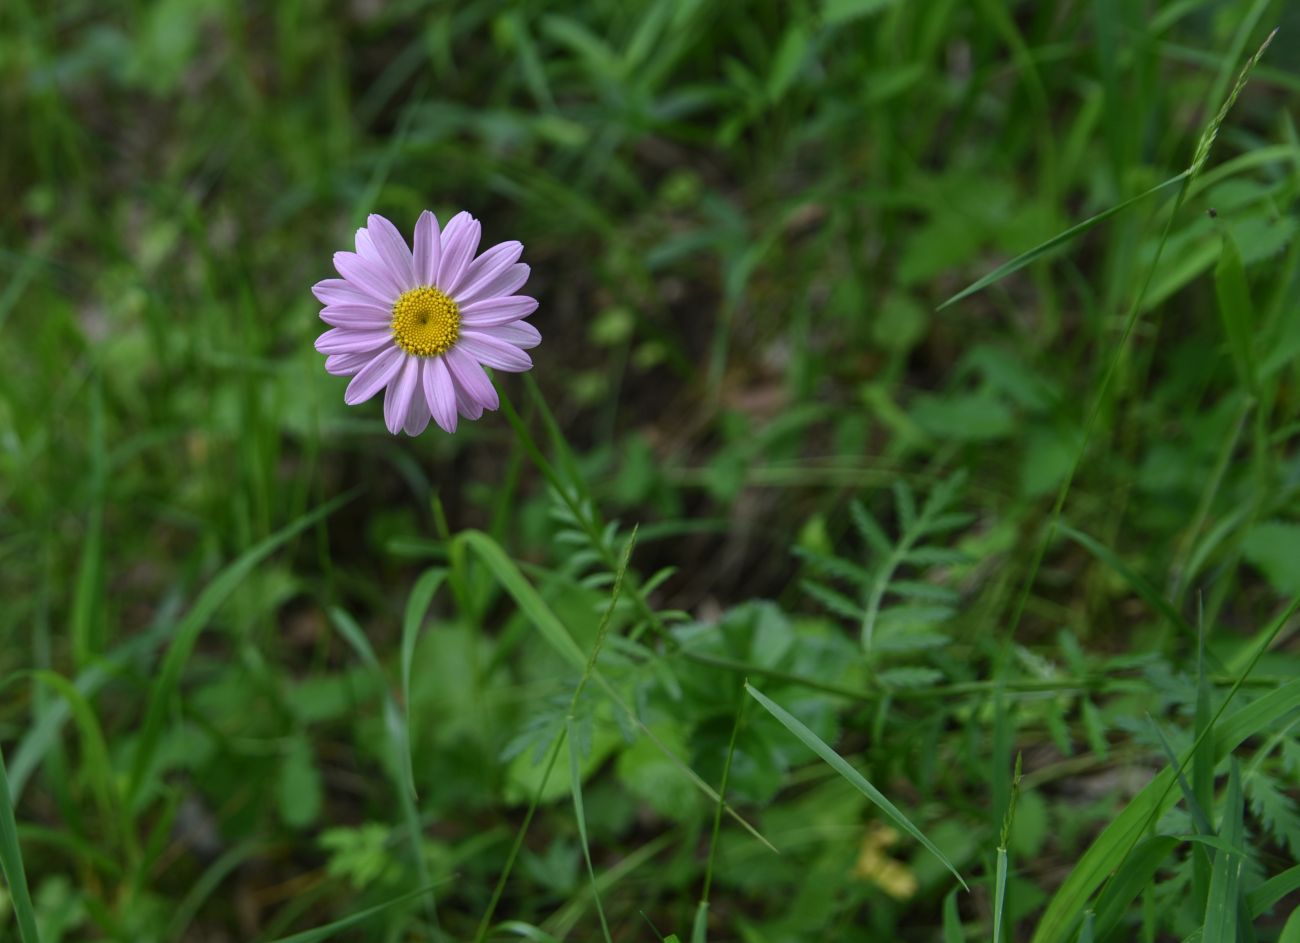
422	324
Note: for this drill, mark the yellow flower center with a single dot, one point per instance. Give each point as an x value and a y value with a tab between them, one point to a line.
426	322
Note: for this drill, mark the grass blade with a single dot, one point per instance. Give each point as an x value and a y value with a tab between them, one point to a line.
952	931
856	779
417	607
1223	904
580	814
1133	877
1237	312
1263	898
700	928
1291	932
1037	252
399	741
11	861
1118	839
361	916
1149	593
188	630
554	632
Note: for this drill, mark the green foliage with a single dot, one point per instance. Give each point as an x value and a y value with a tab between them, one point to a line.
271	673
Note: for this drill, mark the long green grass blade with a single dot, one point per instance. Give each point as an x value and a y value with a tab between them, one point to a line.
1223	904
11	860
1263	898
188	630
338	926
952	929
1237	312
999	894
1039	251
1139	585
1117	840
417	607
399	743
856	779
1291	932
1133	877
554	632
580	815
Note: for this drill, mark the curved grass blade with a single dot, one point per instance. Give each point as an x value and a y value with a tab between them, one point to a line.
95	756
399	742
1043	248
1000	877
575	761
700	928
1118	839
45	731
1139	585
11	861
580	814
207	883
1291	932
417	607
188	630
554	632
858	781
1133	877
1263	898
333	929
1223	905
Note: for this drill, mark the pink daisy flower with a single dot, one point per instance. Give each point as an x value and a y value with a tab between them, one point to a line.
421	325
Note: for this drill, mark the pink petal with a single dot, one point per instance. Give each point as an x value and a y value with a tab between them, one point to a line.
345	365
470	379
468	407
493	311
483	270
428	249
375	280
393	249
459	240
506	282
497	354
338	291
344	340
359	317
366	247
374	376
417	417
440	393
397	398
520	333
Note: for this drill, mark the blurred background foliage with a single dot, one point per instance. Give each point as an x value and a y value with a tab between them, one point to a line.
741	217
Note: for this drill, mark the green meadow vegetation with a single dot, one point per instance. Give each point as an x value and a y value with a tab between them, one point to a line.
897	539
